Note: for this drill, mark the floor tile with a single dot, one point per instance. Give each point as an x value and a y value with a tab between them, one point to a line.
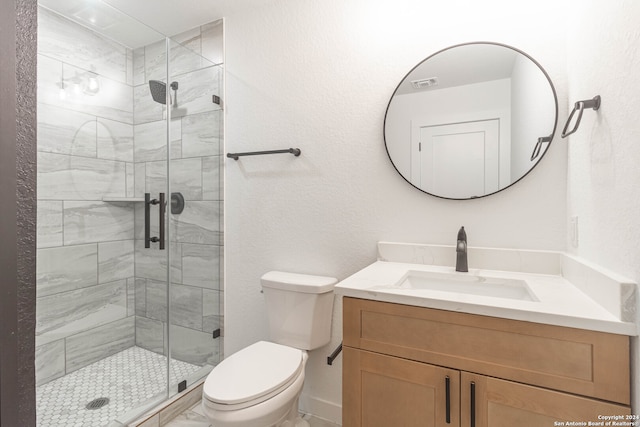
127	379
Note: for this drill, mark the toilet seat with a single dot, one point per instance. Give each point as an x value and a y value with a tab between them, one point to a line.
252	375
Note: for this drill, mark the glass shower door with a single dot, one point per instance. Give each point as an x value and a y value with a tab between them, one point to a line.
120	320
195	217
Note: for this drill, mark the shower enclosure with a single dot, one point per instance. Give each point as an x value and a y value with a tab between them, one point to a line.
129	261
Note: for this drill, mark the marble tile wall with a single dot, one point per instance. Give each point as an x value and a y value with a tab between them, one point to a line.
85	308
196	234
99	290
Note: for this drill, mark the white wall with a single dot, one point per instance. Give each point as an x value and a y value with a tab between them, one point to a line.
318	76
604	155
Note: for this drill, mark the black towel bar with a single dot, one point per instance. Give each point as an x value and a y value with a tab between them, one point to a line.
333	355
235	156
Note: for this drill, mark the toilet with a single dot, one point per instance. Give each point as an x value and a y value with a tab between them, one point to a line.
259	386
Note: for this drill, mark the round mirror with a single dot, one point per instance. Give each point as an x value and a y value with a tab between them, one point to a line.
470	120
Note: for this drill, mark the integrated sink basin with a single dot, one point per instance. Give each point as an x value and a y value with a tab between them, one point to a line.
464	283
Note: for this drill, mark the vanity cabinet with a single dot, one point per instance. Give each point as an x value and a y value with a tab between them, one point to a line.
414	366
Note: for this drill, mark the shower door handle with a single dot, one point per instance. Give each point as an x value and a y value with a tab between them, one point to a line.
163	207
148	201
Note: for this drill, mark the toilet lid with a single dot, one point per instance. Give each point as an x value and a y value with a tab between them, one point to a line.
253	372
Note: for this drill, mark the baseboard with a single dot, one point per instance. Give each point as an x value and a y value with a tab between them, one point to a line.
320	408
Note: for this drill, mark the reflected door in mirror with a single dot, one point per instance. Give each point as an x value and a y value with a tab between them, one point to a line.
459	160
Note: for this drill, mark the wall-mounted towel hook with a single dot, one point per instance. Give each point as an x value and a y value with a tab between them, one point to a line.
538	147
579	107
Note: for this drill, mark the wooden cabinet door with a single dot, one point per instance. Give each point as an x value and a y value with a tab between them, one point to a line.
500	403
384	391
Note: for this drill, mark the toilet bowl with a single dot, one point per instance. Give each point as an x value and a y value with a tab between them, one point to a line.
259	386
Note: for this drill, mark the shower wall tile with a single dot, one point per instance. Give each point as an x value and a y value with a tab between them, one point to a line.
196	89
66	41
212	46
98	343
190	39
86	222
79	178
115	140
156	178
130	67
185	56
211	310
140	174
186	177
49	362
49	80
201	264
131	179
145	109
150	142
113	101
49	224
115	260
66	268
186	306
138	67
68	313
131	296
156	300
151	263
155	61
64	131
189	345
198	223
141	296
202	134
182	56
211	176
150	334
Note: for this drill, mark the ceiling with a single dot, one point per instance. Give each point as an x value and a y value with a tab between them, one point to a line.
463	65
141	22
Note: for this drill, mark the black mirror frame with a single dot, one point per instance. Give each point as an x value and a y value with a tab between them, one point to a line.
555	124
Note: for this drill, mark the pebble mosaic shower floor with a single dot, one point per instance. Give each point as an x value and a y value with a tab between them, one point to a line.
127	379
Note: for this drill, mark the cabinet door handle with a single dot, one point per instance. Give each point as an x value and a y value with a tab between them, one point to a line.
473	404
447	384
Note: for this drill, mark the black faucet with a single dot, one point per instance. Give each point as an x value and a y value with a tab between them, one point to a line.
461	251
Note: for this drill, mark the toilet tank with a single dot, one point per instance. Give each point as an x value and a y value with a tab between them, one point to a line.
300	307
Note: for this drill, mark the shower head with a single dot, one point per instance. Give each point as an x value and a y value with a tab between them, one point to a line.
159	91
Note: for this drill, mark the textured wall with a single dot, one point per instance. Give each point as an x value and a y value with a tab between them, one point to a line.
17	215
318	76
604	154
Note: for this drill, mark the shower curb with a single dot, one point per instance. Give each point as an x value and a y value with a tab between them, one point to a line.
167	411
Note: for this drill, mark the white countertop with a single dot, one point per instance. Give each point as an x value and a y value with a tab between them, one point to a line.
559	301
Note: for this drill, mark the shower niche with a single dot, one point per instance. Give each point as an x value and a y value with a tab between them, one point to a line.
116	321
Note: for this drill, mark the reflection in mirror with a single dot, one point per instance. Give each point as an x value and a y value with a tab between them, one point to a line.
467	121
